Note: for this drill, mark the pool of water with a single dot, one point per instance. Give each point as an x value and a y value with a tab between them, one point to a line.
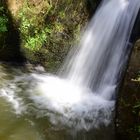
31	123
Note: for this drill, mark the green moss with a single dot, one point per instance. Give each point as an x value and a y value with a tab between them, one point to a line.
3	20
48	29
3	27
137	79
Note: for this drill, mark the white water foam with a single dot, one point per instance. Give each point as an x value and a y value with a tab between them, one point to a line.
64	103
15	101
76	107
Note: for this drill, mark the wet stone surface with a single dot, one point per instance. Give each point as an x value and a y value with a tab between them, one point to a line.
128	113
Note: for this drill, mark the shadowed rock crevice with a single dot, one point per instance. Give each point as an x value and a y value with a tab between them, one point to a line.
10	47
136	30
92	5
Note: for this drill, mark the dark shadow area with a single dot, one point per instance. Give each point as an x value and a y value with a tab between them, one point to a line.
10	49
127	117
135	35
92	6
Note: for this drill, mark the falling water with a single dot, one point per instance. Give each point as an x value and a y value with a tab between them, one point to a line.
82	96
103	50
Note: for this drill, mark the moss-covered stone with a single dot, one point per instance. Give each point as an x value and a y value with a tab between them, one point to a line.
47	28
44	30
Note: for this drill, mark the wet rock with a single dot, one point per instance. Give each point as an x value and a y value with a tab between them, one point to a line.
128	121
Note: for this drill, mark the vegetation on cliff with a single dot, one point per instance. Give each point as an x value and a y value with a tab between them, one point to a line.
47	29
3	26
3	20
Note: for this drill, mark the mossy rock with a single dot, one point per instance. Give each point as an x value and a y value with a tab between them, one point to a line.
47	38
45	30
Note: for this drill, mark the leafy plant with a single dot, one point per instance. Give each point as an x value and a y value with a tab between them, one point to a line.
3	20
33	30
35	43
47	29
137	79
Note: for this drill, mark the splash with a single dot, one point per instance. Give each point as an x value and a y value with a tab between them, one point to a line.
17	102
70	105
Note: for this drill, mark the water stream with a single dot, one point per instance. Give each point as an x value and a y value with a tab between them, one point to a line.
79	101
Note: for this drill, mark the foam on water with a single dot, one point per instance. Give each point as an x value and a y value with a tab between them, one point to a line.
15	101
71	102
65	103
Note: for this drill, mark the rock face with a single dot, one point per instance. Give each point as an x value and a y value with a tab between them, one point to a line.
10	41
14	6
43	30
136	30
128	110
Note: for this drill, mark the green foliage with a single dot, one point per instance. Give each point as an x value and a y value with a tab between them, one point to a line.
48	29
32	28
136	130
3	20
137	79
35	42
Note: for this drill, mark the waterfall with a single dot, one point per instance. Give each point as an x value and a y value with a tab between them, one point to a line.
86	87
99	59
82	96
